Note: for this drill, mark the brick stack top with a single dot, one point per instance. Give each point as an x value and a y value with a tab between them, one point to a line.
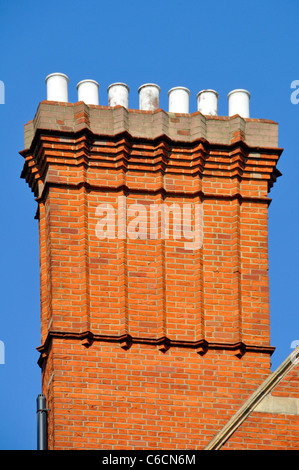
110	121
256	139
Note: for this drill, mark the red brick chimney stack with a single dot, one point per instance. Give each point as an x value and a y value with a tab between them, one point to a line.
154	266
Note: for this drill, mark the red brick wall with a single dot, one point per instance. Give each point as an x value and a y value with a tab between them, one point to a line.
105	397
266	431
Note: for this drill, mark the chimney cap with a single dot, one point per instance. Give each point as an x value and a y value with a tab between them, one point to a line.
208	90
149	84
57	74
88	80
179	88
118	83
241	90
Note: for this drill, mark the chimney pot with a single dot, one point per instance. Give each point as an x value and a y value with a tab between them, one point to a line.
238	103
207	102
149	97
57	87
179	100
88	91
118	95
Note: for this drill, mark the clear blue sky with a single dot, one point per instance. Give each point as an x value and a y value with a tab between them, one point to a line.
221	45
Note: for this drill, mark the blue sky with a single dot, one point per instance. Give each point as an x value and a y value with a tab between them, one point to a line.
221	45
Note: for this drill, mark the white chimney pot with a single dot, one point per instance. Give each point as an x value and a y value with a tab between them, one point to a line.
57	87
149	97
88	91
179	100
207	102
238	103
118	95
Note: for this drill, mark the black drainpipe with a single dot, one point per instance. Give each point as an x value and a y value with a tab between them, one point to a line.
42	418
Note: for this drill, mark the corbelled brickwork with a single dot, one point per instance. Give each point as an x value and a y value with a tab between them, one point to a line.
150	341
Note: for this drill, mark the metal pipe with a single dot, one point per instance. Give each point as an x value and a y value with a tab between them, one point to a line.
42	415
